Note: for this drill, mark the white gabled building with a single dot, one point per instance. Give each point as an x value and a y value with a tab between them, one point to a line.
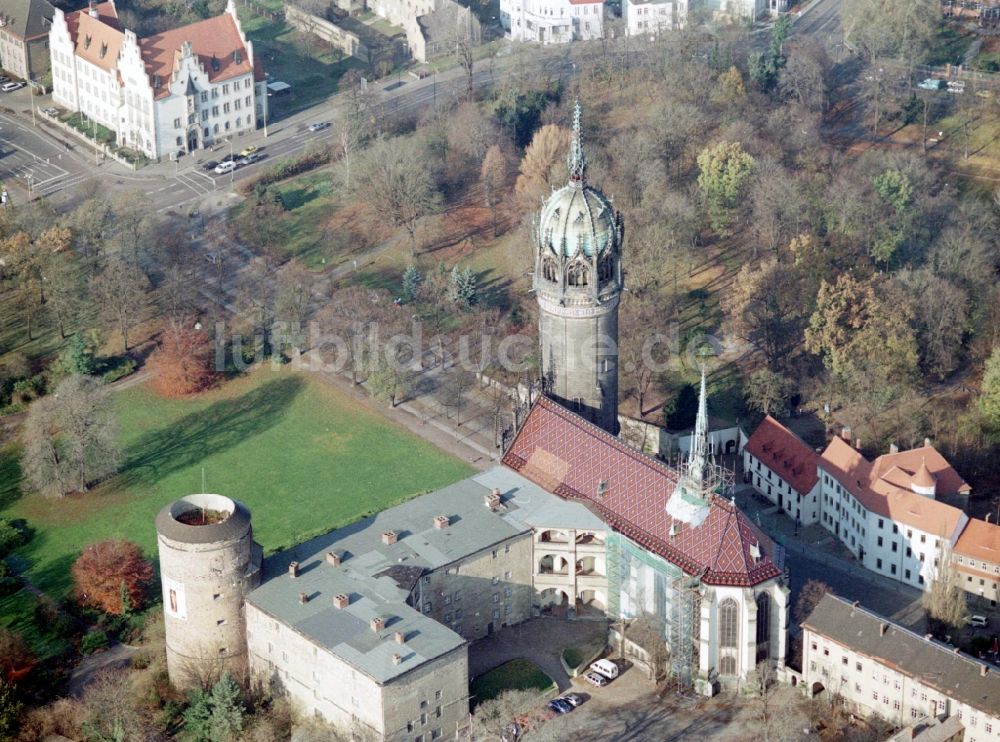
649	17
553	21
783	468
173	92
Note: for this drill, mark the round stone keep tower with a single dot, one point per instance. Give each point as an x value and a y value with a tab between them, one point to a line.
208	563
578	282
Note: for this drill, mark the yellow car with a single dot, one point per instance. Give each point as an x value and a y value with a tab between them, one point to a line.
248	151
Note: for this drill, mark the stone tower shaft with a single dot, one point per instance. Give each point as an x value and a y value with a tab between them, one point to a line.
578	283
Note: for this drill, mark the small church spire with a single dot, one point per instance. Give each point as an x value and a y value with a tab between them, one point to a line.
577	160
698	456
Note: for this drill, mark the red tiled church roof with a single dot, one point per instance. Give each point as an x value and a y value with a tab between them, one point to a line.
784	453
568	456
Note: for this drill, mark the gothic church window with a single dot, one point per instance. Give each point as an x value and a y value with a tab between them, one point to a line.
604	269
729	616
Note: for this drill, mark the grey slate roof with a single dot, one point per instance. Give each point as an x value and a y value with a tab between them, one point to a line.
27	18
378	577
957	676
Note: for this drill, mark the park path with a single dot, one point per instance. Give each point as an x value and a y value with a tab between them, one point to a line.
115	657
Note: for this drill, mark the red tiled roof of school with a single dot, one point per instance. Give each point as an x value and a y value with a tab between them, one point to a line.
568	456
784	453
215	38
883	488
947	479
107	14
97	40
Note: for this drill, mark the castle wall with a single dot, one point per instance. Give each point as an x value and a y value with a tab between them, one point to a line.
481	593
432	700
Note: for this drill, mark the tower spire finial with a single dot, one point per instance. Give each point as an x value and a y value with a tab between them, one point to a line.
577	160
699	439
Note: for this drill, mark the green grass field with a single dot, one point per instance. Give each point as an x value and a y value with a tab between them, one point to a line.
513	675
302	456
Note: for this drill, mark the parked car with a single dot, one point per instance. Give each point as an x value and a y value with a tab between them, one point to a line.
210	165
931	83
595	678
247	151
560	706
50	111
574	699
10	87
225	167
4	78
319	126
251	158
956	86
607	668
230	158
978	621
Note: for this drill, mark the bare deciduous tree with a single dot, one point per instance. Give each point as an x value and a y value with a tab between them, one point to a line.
71	437
120	292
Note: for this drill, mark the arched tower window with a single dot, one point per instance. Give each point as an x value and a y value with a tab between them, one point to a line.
729	632
605	269
549	270
763	626
578	275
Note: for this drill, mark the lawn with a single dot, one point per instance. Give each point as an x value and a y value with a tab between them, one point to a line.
513	675
301	455
311	67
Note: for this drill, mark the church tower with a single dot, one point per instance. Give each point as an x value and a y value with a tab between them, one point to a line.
578	281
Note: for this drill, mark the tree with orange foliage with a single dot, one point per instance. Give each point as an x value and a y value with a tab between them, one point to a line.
183	364
112	576
15	657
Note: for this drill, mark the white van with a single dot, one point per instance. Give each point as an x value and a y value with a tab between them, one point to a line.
978	621
607	668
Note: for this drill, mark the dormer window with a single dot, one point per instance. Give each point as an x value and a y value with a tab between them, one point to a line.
86	41
104	50
238	56
215	63
157	82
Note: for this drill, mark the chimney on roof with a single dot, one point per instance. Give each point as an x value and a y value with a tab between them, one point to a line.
389	538
855	604
441	522
396	659
92	10
893	448
957	650
341	601
377	624
293	569
303	598
400	637
928	637
882	628
983	669
492	500
857	443
927	442
987	518
845	433
333	558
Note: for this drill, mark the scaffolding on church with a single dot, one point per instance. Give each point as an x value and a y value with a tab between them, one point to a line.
642	583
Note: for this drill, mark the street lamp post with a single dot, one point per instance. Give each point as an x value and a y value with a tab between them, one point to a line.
232	159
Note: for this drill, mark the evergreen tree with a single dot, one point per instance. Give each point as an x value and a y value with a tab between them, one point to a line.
77	357
462	288
411	282
226	721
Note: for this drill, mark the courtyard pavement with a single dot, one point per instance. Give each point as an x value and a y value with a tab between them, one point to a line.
540	640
